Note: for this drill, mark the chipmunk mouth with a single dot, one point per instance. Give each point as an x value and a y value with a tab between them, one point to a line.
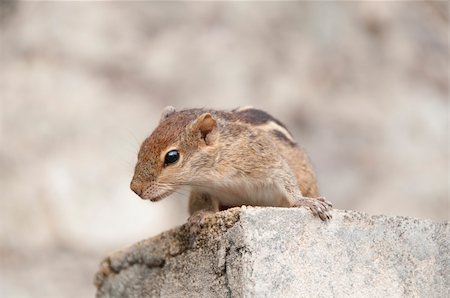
155	196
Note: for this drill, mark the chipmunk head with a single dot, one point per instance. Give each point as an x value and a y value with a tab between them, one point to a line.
173	154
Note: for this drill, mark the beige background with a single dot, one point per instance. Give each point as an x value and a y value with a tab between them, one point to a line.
363	86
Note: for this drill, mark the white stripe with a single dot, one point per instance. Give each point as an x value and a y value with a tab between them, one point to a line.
271	125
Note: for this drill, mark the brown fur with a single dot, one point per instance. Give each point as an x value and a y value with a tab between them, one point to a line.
229	159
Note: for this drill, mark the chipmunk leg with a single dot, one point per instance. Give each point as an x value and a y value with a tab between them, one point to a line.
318	206
201	204
199	200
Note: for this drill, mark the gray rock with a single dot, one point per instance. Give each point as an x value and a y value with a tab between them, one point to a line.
278	252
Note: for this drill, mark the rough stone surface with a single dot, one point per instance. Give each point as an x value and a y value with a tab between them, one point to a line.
278	252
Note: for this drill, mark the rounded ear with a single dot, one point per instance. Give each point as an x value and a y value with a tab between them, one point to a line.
166	113
205	124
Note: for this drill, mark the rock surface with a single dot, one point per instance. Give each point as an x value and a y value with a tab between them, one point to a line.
277	252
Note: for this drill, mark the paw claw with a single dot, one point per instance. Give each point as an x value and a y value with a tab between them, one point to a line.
197	221
319	207
328	203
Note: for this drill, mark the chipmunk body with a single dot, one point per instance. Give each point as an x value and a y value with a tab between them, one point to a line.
228	158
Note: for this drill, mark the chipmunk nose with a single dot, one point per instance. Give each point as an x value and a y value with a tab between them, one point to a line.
137	187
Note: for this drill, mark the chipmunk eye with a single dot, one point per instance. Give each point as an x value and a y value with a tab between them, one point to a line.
171	157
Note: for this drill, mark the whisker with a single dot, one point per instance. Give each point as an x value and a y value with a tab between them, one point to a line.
180	191
186	194
136	140
205	185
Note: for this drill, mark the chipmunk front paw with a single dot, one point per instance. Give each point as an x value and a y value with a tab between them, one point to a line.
319	206
197	220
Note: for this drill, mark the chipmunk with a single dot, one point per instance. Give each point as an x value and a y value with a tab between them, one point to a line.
229	159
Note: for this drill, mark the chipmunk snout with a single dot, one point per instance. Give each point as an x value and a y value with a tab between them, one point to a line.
137	187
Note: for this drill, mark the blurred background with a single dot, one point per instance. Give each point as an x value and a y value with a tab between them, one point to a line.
364	87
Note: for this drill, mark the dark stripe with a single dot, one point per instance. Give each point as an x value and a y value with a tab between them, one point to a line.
258	117
281	136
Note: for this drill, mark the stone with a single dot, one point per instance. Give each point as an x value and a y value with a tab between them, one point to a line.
285	252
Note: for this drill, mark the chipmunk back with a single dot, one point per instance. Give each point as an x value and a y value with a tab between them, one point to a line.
227	158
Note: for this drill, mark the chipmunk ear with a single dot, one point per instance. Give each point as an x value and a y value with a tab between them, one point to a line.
206	124
166	113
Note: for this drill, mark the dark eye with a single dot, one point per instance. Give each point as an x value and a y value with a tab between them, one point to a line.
171	157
